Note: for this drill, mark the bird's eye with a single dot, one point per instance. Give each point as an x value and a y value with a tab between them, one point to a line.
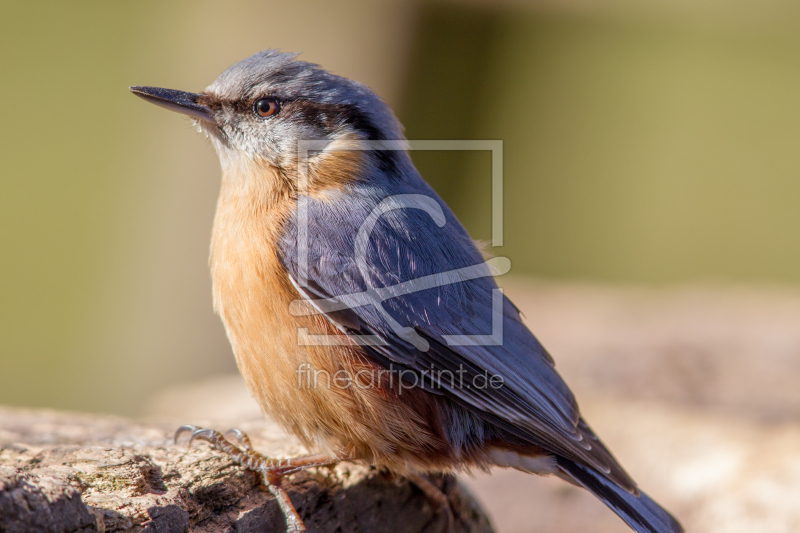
266	107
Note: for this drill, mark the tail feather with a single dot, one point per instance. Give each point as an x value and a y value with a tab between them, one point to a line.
641	513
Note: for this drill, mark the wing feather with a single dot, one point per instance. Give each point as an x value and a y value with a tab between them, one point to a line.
410	241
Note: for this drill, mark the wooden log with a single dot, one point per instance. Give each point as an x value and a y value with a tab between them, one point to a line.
80	473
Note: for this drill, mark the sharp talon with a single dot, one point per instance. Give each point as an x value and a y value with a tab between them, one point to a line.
183	429
202	434
270	470
241	437
235	432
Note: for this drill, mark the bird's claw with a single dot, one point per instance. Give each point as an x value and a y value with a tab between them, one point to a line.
209	435
242	437
243	454
183	429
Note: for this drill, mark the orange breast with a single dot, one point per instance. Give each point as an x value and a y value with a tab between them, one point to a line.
304	387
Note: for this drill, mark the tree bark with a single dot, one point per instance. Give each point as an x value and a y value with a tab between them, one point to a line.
72	473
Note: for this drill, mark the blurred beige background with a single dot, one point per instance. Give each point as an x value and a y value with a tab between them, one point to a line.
652	146
649	144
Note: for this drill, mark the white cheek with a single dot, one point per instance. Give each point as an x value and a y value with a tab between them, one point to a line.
276	142
229	158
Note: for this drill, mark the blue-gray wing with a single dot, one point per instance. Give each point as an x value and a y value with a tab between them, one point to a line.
395	264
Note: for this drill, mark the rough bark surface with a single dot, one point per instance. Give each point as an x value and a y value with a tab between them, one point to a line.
71	473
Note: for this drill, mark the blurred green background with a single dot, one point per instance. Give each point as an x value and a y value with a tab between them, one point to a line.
647	144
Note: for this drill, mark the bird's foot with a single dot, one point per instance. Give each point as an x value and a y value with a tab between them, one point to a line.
436	497
272	470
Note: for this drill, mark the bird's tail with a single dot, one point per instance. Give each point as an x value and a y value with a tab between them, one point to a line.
641	513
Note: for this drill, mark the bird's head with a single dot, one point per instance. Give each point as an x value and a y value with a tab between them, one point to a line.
259	110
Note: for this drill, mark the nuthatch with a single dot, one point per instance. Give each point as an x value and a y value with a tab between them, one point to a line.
362	316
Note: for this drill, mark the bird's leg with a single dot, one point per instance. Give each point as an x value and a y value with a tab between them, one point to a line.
272	470
435	496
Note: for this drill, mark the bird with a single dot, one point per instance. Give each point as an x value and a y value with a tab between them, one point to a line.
362	316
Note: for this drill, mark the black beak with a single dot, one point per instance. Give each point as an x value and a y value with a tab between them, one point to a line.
179	101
